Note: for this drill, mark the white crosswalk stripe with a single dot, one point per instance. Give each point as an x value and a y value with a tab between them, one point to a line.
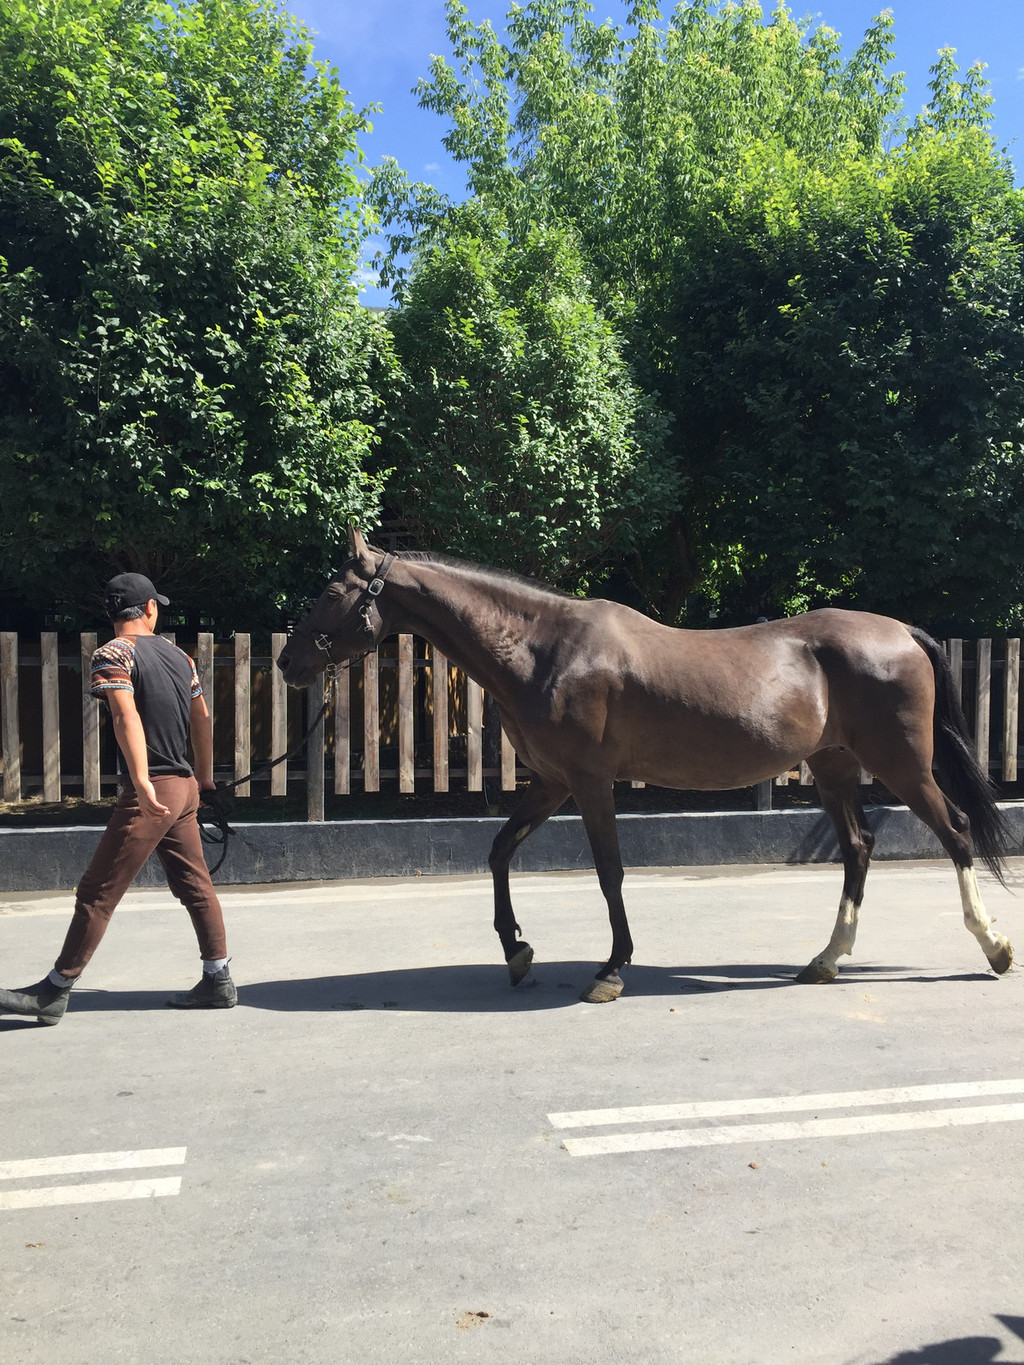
849	1125
41	1196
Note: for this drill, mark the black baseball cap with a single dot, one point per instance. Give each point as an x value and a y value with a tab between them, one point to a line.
130	590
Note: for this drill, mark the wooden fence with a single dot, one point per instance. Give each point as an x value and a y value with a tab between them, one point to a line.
403	717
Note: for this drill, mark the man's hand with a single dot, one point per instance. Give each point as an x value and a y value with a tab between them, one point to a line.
149	803
219	800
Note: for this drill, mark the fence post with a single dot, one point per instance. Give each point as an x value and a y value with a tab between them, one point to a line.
474	736
343	732
278	717
983	703
90	724
51	715
955	650
204	670
508	764
1011	693
315	751
371	725
243	681
439	699
406	732
10	734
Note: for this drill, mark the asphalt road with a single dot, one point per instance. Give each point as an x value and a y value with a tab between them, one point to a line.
387	1154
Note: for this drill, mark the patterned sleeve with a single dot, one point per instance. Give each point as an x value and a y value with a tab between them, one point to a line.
112	667
197	687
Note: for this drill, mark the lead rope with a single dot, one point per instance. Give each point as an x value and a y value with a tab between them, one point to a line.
218	805
221	804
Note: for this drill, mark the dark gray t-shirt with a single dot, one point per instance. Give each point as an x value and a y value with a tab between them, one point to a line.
164	682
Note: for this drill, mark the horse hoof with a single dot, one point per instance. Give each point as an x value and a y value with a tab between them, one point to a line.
1002	960
603	989
816	973
520	963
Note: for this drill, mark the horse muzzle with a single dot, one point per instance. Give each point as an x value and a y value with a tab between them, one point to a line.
298	672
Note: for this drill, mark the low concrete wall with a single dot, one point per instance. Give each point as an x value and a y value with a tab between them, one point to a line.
53	859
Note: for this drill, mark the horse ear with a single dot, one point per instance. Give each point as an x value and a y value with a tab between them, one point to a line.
356	543
361	552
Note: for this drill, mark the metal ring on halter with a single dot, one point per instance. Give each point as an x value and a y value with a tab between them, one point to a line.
374	589
331	669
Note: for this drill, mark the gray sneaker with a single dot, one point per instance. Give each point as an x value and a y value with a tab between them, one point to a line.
213	991
43	1001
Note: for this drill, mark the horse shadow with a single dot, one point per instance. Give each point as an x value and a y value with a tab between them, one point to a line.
483	988
963	1350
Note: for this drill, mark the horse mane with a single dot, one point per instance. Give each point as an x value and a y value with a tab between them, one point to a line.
486	571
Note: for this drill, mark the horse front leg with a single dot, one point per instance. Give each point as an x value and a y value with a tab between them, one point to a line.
596	803
542	799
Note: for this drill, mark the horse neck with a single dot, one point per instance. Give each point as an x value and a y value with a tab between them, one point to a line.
476	621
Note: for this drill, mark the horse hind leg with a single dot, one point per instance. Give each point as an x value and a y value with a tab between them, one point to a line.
542	799
837	775
952	828
996	947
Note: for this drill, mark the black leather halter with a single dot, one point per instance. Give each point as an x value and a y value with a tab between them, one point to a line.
325	643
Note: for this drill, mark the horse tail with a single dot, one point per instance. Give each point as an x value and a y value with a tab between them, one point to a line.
963	779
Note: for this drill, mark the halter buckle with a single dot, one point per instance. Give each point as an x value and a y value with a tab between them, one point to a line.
375	587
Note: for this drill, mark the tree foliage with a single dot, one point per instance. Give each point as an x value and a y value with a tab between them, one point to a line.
855	385
516	433
825	302
183	361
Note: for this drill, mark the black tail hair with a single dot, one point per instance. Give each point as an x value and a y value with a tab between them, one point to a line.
963	780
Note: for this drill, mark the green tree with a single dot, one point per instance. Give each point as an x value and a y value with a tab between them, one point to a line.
855	384
516	433
826	304
183	360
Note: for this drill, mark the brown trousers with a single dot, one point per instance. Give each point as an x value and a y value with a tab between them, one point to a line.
128	840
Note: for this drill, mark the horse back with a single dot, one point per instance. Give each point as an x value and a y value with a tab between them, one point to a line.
719	708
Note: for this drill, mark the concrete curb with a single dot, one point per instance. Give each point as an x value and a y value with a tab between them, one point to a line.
53	859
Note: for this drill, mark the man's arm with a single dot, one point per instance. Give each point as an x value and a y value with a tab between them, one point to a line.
131	740
201	731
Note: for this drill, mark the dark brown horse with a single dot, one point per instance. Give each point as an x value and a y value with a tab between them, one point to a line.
591	692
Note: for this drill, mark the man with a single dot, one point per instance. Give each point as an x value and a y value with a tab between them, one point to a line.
155	702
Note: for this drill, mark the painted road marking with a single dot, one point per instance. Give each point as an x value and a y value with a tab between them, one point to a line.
92	1161
779	1132
96	1191
848	1125
785	1104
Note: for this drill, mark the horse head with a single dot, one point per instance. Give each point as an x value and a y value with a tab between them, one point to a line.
344	623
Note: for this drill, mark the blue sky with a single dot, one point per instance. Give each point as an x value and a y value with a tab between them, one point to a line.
382	47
